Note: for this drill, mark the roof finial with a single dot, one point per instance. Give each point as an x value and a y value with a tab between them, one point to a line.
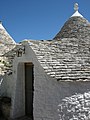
76	7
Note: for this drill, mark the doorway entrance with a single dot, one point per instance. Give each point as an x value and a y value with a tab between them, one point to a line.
29	88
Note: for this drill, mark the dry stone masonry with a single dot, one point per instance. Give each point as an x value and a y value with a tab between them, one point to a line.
6	41
61	69
76	107
67	59
75	27
6	44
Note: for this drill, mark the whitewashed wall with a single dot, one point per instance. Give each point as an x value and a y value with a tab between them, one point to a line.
3	86
48	92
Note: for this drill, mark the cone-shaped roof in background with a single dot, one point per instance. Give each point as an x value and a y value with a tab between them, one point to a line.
76	27
6	41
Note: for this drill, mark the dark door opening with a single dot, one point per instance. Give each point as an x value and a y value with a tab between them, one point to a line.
29	88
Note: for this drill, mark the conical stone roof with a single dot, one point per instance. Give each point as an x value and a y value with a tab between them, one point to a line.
6	44
6	41
75	27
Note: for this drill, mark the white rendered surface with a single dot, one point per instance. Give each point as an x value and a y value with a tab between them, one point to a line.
77	14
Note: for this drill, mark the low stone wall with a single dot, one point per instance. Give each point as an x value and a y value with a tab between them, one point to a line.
5	107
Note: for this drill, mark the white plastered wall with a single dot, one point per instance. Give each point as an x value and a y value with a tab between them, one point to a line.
48	92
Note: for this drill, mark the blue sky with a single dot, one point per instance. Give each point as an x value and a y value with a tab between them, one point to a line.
38	19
